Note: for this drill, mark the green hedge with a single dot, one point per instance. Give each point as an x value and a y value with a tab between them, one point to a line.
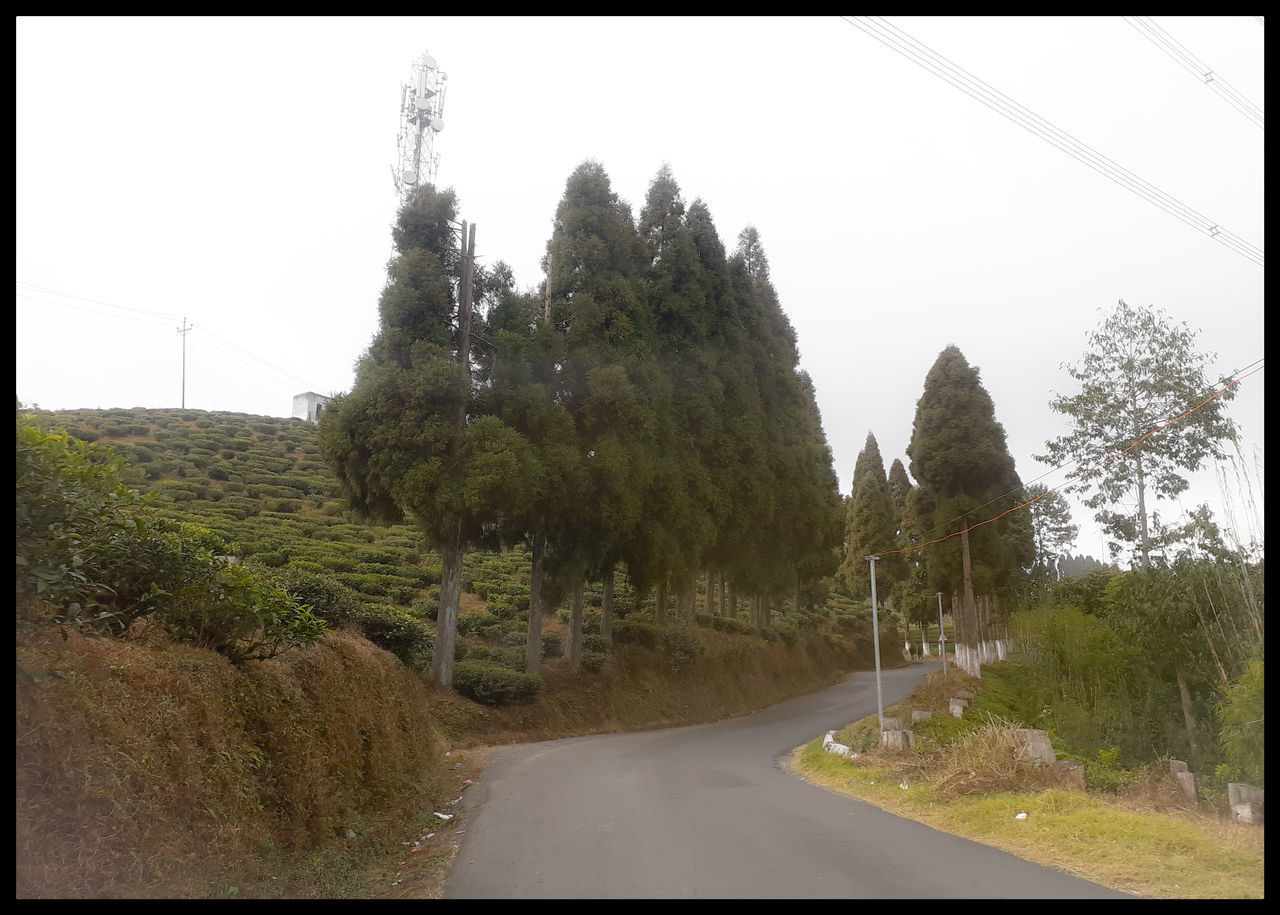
490	684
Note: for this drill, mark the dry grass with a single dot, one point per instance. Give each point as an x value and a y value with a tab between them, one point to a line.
1151	842
151	769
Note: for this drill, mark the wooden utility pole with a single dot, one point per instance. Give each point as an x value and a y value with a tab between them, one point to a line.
451	555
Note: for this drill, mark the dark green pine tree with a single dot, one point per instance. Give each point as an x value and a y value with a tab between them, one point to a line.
680	504
606	377
408	440
790	493
960	459
870	525
524	350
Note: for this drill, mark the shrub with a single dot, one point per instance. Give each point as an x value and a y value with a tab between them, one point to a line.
242	616
493	685
729	624
1242	737
636	632
593	661
473	623
552	645
327	598
405	636
510	658
682	648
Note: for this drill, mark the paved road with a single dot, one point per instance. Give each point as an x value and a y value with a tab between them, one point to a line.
707	812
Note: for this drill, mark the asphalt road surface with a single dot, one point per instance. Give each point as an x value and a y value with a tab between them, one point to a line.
708	812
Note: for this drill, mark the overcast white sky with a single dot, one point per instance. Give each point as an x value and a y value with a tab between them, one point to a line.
235	172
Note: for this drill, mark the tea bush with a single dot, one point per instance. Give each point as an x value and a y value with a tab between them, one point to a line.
490	684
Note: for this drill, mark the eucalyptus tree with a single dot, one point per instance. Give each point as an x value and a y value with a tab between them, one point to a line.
1139	371
407	440
1052	530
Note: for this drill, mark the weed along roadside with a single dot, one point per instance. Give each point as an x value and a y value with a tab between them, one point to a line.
986	778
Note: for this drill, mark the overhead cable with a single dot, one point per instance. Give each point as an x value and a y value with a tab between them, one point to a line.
1196	67
926	57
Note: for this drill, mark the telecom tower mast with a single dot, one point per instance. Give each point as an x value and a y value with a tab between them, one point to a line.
421	118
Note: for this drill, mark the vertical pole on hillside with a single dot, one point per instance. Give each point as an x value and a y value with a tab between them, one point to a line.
942	637
183	331
875	638
546	309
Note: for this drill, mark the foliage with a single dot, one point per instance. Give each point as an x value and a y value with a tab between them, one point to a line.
552	645
871	526
490	684
1242	734
404	635
961	461
1052	529
637	632
682	648
242	616
87	547
1139	372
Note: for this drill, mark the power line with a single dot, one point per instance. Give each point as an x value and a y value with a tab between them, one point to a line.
271	370
23	295
1196	67
256	368
69	295
926	57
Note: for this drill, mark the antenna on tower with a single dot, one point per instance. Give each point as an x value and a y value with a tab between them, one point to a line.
421	118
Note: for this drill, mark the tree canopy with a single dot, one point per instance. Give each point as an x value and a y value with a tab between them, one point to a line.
1139	371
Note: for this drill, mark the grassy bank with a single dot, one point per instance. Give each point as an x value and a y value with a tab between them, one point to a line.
1146	839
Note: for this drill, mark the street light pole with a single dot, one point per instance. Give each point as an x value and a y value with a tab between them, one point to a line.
875	636
942	637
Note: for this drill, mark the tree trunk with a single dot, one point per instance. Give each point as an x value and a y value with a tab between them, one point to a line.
606	607
533	647
1142	513
721	605
660	609
575	627
447	617
731	605
1188	718
711	593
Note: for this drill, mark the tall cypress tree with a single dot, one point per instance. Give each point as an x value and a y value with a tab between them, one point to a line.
408	439
870	525
961	461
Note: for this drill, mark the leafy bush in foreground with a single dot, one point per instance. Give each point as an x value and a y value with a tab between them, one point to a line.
88	550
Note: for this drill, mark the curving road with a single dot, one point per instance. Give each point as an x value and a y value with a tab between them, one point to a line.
707	812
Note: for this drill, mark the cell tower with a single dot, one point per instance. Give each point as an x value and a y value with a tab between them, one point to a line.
421	118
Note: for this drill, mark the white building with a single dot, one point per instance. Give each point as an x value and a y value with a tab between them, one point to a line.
308	406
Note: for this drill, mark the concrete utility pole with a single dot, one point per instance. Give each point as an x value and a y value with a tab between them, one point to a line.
875	638
183	331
